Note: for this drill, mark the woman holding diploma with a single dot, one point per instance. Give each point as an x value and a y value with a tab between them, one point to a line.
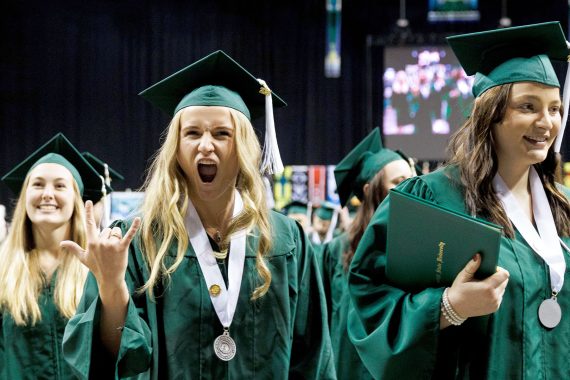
207	283
502	167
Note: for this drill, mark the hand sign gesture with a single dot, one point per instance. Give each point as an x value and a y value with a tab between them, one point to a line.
106	255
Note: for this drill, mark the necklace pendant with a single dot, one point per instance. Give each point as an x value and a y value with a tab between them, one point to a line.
225	346
549	313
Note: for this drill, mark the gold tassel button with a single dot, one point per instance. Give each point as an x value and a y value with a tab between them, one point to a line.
264	89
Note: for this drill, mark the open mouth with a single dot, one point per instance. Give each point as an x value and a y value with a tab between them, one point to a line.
207	172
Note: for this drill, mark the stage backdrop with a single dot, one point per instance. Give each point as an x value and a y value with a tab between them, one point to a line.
77	66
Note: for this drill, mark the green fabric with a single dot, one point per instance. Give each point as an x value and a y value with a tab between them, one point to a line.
54	158
372	164
509	55
534	69
324	212
283	335
347	362
215	80
99	165
61	151
34	352
361	164
214	96
398	335
295	207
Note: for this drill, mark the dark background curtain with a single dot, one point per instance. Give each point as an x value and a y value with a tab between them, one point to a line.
77	66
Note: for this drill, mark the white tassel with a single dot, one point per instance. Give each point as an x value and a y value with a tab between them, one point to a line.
332	226
566	100
271	159
104	217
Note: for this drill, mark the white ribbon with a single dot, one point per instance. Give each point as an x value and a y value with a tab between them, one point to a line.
545	242
225	303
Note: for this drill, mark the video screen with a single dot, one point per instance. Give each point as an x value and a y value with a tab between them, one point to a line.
427	97
453	10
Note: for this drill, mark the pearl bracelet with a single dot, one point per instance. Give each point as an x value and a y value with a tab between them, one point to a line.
448	312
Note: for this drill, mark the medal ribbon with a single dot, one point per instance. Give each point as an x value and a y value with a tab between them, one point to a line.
545	242
226	302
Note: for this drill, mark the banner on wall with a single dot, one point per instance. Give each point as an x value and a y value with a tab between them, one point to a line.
317	183
305	183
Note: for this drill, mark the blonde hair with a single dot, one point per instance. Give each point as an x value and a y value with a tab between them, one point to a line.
21	278
166	203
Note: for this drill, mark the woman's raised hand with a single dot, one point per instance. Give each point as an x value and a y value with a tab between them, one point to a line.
106	255
470	297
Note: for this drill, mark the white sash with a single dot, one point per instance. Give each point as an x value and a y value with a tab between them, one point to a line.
225	303
545	242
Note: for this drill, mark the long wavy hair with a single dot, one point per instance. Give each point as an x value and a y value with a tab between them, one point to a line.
472	150
370	201
21	277
166	203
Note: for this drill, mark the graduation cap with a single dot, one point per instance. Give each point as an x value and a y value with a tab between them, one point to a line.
105	171
103	168
295	207
325	211
510	55
58	150
218	80
361	165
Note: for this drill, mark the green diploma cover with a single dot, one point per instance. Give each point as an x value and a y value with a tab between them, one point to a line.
428	245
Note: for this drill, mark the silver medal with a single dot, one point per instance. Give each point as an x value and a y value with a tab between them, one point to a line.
550	313
225	347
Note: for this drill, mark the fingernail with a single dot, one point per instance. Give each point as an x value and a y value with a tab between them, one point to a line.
474	258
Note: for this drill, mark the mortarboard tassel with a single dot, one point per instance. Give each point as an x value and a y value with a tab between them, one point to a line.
332	226
104	217
566	101
271	159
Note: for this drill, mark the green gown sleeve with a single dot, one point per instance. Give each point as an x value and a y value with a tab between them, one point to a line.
2	358
311	353
395	333
323	255
81	346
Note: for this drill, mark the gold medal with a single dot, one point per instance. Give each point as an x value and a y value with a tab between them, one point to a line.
215	290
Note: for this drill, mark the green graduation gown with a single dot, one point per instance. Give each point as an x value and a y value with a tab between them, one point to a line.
397	333
34	352
347	362
282	335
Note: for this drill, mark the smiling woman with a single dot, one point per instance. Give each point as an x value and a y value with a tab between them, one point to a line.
501	168
41	284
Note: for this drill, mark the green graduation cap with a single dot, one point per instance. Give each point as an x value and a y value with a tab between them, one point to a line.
58	150
361	165
509	55
218	80
109	174
325	211
102	167
295	207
